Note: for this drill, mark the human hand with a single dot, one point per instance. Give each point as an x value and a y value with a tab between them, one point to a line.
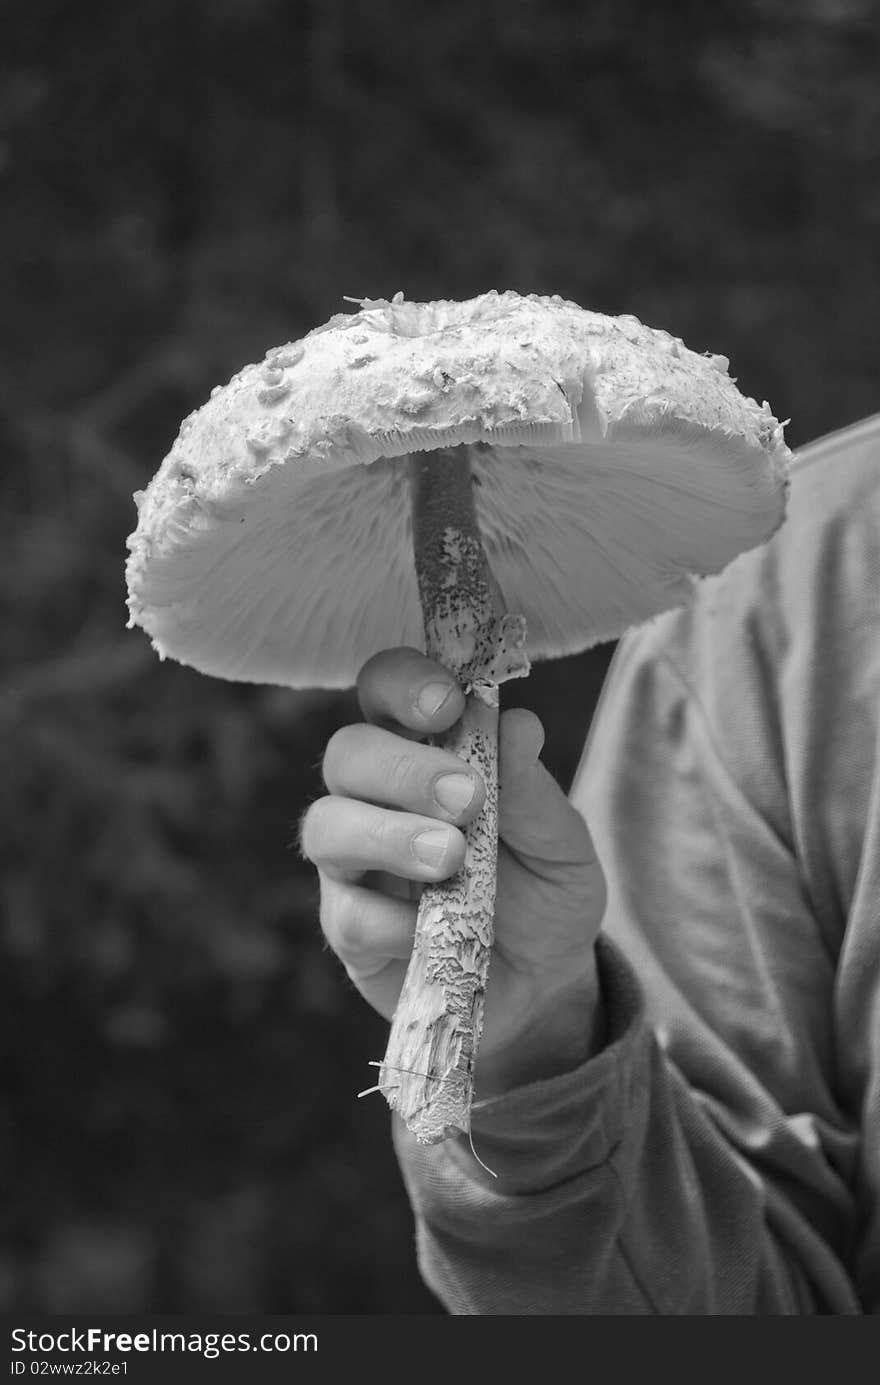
385	791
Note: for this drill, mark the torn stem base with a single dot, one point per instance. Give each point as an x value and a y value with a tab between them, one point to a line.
429	1063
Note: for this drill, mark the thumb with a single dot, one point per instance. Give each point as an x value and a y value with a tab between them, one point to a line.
536	821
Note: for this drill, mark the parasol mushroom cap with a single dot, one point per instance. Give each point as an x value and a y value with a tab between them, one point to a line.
612	467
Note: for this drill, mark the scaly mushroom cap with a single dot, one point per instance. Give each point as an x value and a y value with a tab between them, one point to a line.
612	466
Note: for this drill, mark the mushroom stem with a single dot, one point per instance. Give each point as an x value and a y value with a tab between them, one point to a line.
435	1033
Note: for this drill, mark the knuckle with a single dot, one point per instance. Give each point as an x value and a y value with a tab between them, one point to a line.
314	828
337	752
379	836
342	920
374	676
372	667
400	772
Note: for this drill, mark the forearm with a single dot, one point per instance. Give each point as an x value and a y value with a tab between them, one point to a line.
615	1195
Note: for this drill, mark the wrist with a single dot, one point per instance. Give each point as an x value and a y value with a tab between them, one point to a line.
564	1031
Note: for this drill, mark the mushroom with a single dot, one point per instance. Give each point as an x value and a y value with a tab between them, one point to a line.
453	474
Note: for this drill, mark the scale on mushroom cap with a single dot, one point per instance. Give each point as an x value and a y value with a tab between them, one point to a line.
479	478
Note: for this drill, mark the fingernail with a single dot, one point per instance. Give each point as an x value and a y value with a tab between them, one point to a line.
454	792
430	847
432	697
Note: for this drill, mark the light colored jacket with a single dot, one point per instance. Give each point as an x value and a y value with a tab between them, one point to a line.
721	1155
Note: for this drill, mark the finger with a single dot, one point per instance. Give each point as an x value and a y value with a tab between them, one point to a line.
408	692
366	930
536	819
382	990
520	738
386	883
365	762
345	838
372	936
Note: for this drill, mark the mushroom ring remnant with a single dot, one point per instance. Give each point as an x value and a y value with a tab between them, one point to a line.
464	477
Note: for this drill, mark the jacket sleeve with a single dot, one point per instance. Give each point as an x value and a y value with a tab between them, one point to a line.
699	1163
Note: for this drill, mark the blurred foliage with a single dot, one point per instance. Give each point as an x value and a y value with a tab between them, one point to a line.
184	184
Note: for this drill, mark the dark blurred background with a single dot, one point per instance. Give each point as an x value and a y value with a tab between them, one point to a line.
185	183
